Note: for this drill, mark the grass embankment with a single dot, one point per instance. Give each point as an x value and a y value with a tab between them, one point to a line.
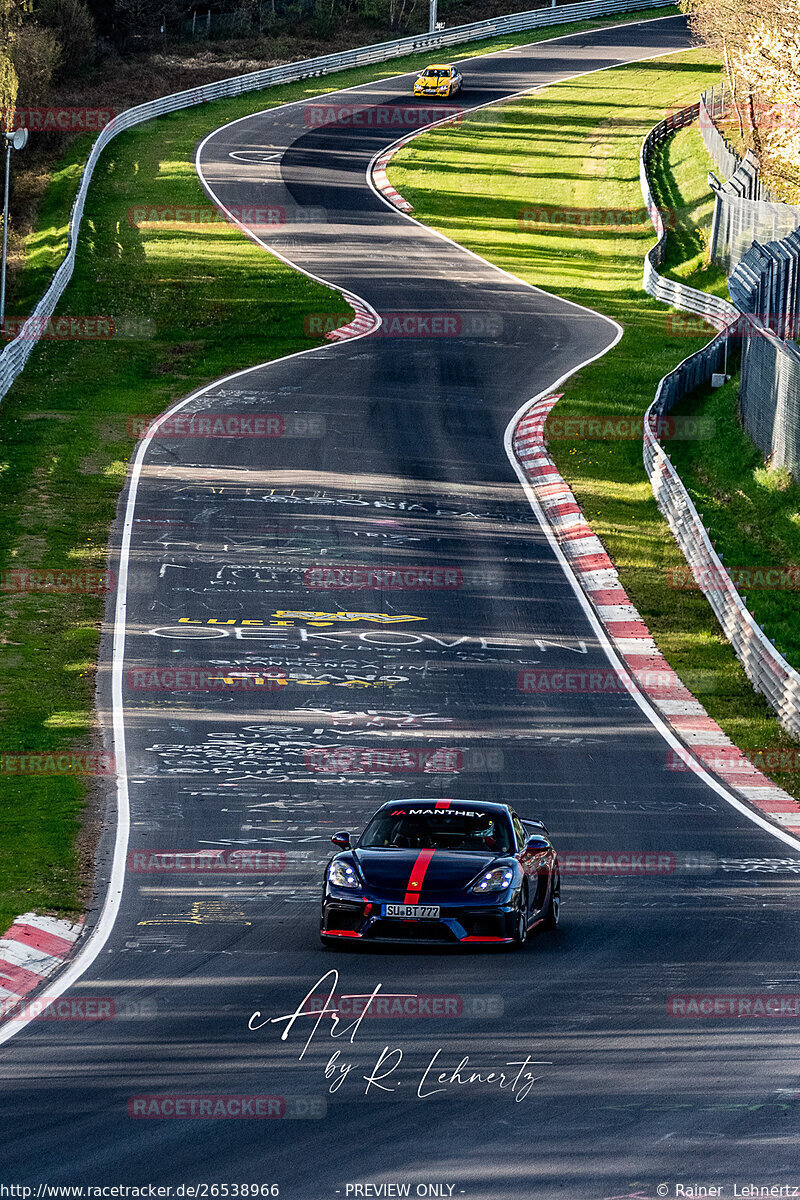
63	442
752	512
574	147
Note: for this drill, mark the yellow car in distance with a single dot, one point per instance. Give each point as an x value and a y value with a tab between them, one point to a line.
440	79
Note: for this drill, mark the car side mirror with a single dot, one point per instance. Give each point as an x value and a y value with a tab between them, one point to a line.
342	839
536	845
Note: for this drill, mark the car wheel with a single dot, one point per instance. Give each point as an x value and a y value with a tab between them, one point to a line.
520	930
554	910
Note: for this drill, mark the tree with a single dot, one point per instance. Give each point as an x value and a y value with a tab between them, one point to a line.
769	60
722	25
73	26
11	14
36	56
759	41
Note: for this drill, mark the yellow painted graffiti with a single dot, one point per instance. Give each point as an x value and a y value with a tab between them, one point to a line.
202	912
288	616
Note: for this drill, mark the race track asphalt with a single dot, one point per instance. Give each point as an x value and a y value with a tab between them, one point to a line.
391	454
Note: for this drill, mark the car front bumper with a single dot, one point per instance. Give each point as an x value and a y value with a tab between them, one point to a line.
460	922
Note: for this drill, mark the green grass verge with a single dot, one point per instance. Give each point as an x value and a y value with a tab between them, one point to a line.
63	442
751	511
575	146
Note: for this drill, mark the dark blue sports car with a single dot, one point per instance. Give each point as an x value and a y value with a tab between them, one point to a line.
449	871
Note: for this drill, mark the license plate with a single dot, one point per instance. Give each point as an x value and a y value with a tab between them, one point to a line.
421	912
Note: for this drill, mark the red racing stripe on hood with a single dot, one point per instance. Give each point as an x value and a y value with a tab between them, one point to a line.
414	885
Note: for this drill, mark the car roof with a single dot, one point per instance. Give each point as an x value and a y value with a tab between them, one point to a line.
486	806
439	67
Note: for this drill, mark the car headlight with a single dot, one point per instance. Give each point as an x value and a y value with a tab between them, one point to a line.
495	880
341	874
443	87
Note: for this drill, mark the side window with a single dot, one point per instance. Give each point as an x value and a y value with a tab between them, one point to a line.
519	830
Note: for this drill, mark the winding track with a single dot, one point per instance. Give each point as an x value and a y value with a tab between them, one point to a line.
412	470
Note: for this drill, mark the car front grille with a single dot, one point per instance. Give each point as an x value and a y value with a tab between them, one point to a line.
483	925
416	931
341	916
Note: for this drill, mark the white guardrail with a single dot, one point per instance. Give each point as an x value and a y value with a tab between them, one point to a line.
17	352
767	670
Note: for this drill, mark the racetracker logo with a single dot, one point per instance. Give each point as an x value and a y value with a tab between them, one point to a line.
379	116
229	425
605	428
618	862
399	579
62	1008
84	1008
419	324
206	862
203	679
560	680
733	760
630	220
405	1005
57	764
59	583
57	119
715	578
749	325
208	216
59	329
769	115
738	1006
357	760
218	1107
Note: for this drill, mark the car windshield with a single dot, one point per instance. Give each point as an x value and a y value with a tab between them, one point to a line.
437	829
437	73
